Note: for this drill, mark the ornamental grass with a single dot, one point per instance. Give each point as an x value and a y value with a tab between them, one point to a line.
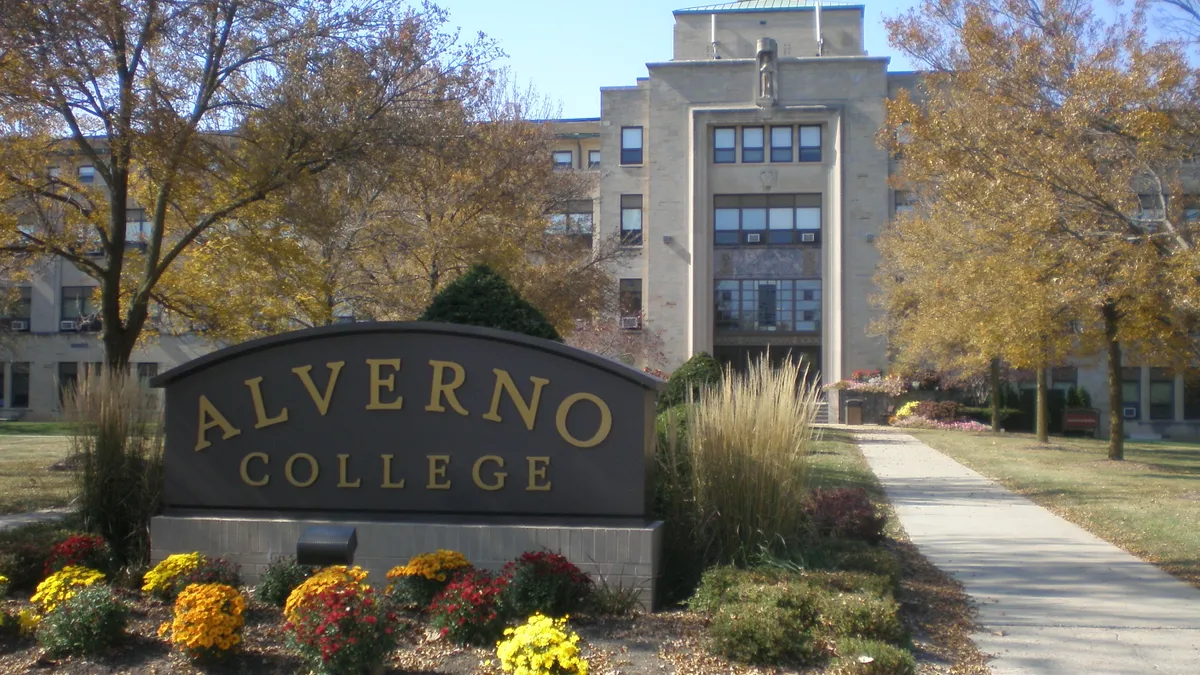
541	646
62	585
208	621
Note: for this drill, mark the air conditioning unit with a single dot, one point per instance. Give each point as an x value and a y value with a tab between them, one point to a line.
753	238
66	326
20	325
1130	412
631	322
808	237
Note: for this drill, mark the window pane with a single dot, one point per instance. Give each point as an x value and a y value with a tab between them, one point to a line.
593	159
752	155
781	237
752	137
810	137
1130	393
724	138
631	138
564	159
781	137
780	219
808	218
726	219
631	219
726	238
754	219
557	223
631	201
87	174
1162	392
20	385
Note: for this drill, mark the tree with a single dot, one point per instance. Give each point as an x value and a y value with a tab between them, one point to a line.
1069	139
481	297
198	111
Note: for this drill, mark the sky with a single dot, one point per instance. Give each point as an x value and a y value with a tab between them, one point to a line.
569	49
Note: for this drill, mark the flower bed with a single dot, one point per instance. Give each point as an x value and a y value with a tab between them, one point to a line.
918	422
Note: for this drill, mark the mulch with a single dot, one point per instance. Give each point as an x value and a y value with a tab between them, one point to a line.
934	607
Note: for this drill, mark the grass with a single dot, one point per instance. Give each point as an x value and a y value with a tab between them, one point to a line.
836	462
35	429
26	482
1148	505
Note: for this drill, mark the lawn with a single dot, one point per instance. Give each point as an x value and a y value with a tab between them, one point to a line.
35	428
26	482
1148	504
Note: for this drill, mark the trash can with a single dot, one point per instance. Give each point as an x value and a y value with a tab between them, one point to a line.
854	411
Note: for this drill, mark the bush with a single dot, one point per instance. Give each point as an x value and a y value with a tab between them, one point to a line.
336	576
162	580
467	610
211	571
773	628
118	453
3	586
939	411
1078	397
701	372
618	600
869	657
862	616
79	550
850	555
481	297
682	560
541	646
10	627
25	548
413	586
724	585
281	577
544	583
63	585
847	513
342	628
207	622
87	622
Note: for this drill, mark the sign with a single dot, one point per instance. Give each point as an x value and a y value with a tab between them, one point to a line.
410	418
1081	419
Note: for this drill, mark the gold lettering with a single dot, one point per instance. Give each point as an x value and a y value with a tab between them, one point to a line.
537	473
504	382
343	469
378	382
499	475
387	475
437	471
314	469
215	419
246	473
564	409
441	388
322	401
260	409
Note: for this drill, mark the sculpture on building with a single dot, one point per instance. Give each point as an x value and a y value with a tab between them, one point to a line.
768	64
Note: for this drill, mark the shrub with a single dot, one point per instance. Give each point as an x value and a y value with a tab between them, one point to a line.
938	411
341	628
869	657
1078	397
161	581
414	585
10	627
3	586
862	616
699	373
25	548
63	585
618	600
847	513
723	585
211	571
481	297
773	628
907	409
850	555
207	622
118	454
682	560
281	577
541	646
545	583
467	610
79	550
327	577
86	622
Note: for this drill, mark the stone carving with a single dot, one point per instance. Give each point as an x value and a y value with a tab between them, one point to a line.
768	66
768	177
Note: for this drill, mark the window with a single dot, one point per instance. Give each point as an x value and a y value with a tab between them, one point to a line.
631	145
574	220
564	159
1150	208
77	305
20	385
1191	395
752	145
146	371
904	201
68	376
1131	392
781	144
810	144
790	306
766	219
724	145
631	220
631	303
593	159
1064	377
137	228
16	315
87	174
1162	394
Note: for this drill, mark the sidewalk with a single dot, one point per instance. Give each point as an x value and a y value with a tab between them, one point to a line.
17	519
1053	599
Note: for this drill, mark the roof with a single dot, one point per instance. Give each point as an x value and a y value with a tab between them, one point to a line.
768	6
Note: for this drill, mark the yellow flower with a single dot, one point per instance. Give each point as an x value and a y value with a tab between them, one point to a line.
208	618
542	646
438	565
28	620
337	575
62	586
162	578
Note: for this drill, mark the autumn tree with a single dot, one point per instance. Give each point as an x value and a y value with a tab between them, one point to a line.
198	112
1069	136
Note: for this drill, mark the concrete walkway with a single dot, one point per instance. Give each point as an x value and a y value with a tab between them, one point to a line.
17	519
1052	598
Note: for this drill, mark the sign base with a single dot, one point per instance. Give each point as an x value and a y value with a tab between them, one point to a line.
617	554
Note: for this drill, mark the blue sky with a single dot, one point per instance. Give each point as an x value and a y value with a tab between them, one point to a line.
568	50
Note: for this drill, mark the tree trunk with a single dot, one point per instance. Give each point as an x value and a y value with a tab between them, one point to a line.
1043	408
994	379
1116	416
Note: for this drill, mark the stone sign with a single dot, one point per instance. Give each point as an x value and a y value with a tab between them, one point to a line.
409	418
